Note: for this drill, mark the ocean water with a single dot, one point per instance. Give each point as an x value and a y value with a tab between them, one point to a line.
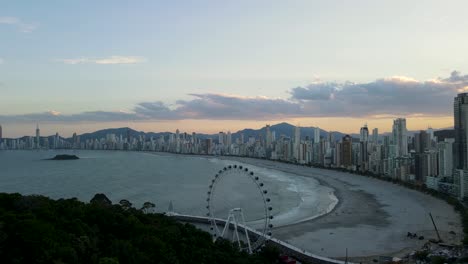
162	179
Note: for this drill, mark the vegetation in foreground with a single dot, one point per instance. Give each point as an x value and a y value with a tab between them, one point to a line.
36	229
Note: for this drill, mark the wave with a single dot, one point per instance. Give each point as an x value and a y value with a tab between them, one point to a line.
313	199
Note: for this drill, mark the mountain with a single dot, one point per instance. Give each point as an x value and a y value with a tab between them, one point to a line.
117	131
284	129
280	129
127	132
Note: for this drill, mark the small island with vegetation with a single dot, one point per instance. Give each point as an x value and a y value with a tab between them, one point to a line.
64	157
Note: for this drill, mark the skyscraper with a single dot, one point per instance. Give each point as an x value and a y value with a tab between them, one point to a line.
421	141
375	135
297	141
400	139
460	110
363	155
228	139
364	134
268	136
347	151
38	137
221	138
1	135
316	135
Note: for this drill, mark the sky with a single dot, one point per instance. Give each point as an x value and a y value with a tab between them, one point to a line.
207	66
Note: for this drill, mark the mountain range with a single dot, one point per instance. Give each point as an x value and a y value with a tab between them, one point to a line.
280	129
284	128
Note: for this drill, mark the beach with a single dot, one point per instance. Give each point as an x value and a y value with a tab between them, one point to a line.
372	217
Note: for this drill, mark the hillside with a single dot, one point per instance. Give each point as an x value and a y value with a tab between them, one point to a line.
280	129
36	229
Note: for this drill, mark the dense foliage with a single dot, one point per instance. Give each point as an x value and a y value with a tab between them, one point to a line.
36	229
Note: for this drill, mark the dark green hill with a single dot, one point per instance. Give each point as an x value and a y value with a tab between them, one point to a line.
36	229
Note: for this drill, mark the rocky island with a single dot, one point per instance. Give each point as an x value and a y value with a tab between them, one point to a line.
64	157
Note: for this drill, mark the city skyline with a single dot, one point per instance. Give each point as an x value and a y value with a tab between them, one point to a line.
36	130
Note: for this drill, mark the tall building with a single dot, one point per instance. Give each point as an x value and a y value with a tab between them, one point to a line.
56	141
400	139
445	149
1	135
430	132
421	141
316	135
228	139
363	154
347	151
460	110
268	136
221	137
375	135
297	141
38	137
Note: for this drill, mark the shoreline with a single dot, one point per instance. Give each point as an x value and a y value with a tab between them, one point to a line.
369	212
336	200
371	218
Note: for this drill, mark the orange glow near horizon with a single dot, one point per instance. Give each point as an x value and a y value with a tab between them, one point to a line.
344	125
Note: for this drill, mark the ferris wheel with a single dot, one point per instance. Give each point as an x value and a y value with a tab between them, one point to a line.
229	218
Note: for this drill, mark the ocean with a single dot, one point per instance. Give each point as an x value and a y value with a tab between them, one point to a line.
163	178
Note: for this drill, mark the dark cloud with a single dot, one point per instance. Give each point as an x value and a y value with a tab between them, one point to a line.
455	77
154	110
390	96
216	106
396	96
317	91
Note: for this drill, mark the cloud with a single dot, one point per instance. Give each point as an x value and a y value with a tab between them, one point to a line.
203	106
218	106
106	60
1	61
387	97
55	116
22	26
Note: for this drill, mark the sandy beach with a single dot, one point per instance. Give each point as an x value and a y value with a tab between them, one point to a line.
372	217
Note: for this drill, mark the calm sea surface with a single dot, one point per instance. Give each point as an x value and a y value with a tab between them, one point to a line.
162	178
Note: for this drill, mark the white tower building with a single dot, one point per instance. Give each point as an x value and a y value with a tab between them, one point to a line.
316	135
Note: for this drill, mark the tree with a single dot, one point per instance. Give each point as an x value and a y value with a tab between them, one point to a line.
126	204
148	207
101	199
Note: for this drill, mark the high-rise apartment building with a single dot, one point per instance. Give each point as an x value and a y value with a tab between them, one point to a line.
228	139
221	137
268	136
421	141
38	137
445	149
364	134
316	135
375	135
297	141
347	151
363	153
460	114
400	138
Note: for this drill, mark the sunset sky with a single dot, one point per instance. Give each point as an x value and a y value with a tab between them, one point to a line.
207	66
